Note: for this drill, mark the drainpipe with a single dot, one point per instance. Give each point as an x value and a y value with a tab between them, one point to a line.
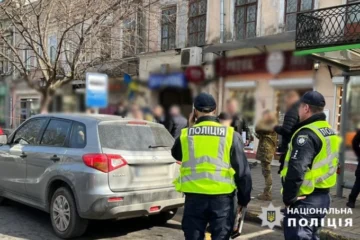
222	54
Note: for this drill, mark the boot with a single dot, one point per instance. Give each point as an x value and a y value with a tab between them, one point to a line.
264	197
350	204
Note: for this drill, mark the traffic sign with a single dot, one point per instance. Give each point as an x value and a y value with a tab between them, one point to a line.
96	90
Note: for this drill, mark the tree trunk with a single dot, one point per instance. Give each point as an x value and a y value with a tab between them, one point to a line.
45	102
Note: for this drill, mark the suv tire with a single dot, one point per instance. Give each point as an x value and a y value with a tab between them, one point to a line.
163	217
65	219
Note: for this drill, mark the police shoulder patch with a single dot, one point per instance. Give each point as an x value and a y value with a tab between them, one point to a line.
301	140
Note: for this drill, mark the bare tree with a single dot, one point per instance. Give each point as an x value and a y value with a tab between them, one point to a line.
56	41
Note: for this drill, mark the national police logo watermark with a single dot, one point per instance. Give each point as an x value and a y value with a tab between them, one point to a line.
271	216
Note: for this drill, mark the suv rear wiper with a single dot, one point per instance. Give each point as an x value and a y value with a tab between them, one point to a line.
158	146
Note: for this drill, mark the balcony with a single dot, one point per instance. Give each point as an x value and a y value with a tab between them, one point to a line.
328	27
331	35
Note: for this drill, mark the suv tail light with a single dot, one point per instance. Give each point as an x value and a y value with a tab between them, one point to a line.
104	162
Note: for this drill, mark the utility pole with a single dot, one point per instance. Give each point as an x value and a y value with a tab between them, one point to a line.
222	54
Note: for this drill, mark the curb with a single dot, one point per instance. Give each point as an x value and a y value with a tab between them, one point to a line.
326	234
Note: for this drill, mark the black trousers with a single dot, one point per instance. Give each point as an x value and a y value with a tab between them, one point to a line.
356	188
200	210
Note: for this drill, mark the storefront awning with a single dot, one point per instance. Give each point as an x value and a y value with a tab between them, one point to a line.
285	37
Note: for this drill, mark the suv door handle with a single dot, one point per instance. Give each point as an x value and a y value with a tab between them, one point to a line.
23	155
55	158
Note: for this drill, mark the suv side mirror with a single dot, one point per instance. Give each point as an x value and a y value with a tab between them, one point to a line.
3	139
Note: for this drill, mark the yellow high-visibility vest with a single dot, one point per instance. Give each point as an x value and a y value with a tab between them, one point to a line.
323	169
206	167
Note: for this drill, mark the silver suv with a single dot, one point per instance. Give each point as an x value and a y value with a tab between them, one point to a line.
81	167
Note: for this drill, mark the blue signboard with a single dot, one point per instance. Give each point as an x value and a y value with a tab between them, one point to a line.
176	80
96	90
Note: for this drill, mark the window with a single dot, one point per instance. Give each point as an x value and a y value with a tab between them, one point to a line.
115	136
129	39
197	22
292	7
52	48
168	28
78	136
56	133
28	133
245	18
352	16
246	101
27	59
105	42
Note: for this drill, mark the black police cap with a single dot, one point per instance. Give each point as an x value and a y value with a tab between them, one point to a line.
313	98
205	103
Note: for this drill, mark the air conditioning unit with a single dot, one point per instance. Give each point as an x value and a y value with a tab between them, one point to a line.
191	56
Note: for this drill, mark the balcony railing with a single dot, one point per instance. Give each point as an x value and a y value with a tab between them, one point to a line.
327	27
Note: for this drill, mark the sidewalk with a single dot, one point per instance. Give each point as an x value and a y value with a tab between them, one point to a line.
254	207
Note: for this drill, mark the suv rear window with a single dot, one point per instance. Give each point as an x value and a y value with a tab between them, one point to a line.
133	137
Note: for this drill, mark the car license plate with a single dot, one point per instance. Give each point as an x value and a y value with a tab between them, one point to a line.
151	171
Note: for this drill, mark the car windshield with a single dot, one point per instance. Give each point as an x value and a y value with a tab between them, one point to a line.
134	137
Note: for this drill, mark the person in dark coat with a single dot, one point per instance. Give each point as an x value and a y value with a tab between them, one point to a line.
356	188
179	120
239	124
164	119
121	109
291	119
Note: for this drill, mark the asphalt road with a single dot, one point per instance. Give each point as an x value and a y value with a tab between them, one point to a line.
21	222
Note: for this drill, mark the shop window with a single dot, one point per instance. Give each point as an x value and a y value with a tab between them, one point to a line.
292	7
168	28
246	101
245	18
353	121
197	22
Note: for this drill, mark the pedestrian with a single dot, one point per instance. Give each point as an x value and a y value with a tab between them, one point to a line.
121	109
264	131
136	112
291	119
161	117
238	122
179	120
213	166
309	170
356	188
225	119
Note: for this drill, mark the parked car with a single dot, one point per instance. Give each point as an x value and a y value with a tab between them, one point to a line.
82	167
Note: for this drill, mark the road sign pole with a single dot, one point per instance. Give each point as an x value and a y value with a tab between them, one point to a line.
344	108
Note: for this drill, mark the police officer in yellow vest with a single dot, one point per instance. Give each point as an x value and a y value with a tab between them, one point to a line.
309	170
213	166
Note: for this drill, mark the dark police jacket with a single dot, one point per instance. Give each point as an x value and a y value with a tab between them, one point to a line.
301	158
238	162
288	127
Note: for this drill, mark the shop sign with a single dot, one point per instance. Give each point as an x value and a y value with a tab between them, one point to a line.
176	80
195	74
273	63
